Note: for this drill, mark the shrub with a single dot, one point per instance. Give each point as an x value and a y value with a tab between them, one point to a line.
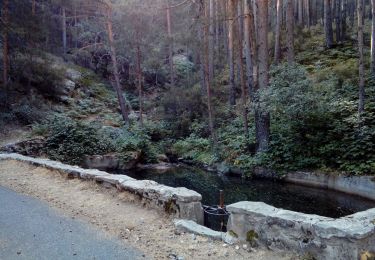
196	149
69	141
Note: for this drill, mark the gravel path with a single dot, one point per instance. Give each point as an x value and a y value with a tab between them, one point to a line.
120	216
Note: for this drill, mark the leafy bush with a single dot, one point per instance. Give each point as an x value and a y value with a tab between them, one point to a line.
69	141
26	114
196	149
317	126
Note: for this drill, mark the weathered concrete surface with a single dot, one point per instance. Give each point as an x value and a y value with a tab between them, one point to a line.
180	202
324	238
357	185
190	226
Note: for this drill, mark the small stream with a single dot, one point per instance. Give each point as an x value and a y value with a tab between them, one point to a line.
281	195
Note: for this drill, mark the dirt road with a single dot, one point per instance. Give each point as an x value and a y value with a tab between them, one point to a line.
119	215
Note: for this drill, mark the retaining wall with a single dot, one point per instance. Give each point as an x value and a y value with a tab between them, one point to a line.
180	202
322	237
363	186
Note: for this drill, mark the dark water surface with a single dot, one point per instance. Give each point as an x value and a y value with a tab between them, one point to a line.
281	195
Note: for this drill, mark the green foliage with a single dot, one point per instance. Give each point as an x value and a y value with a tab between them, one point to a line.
317	126
27	114
69	141
195	148
182	65
39	73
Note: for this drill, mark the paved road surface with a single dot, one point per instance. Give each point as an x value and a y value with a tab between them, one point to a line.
29	229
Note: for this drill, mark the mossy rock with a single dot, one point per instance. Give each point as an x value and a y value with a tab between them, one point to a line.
251	236
169	207
232	233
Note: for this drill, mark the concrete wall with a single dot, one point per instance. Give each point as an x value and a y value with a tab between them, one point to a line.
321	237
180	202
357	185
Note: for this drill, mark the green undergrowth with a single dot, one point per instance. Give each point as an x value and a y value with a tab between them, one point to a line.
314	120
70	140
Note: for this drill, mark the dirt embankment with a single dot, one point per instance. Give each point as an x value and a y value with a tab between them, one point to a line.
120	215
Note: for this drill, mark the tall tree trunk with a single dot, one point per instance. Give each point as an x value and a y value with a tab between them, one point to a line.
360	12
33	7
352	12
139	75
231	21
201	61
63	29
121	100
207	77
249	34
242	73
75	26
373	38
300	12
338	20
279	16
308	13
217	27
5	16
290	31
262	119
343	19
211	39
328	23
225	28
170	45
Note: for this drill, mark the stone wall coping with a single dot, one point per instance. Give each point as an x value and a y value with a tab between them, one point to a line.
357	226
142	187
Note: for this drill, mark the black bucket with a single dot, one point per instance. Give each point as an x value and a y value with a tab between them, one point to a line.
216	218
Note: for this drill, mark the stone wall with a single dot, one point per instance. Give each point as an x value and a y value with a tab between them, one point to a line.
179	202
357	185
322	237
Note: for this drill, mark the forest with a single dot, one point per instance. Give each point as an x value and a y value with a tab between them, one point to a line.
252	86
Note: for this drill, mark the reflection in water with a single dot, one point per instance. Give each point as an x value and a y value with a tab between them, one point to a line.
281	195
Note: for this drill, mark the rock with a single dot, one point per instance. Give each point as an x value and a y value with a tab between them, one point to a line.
262	172
237	247
159	167
73	74
153	189
193	227
68	87
229	239
162	158
31	147
112	161
104	162
131	161
113	179
223	168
